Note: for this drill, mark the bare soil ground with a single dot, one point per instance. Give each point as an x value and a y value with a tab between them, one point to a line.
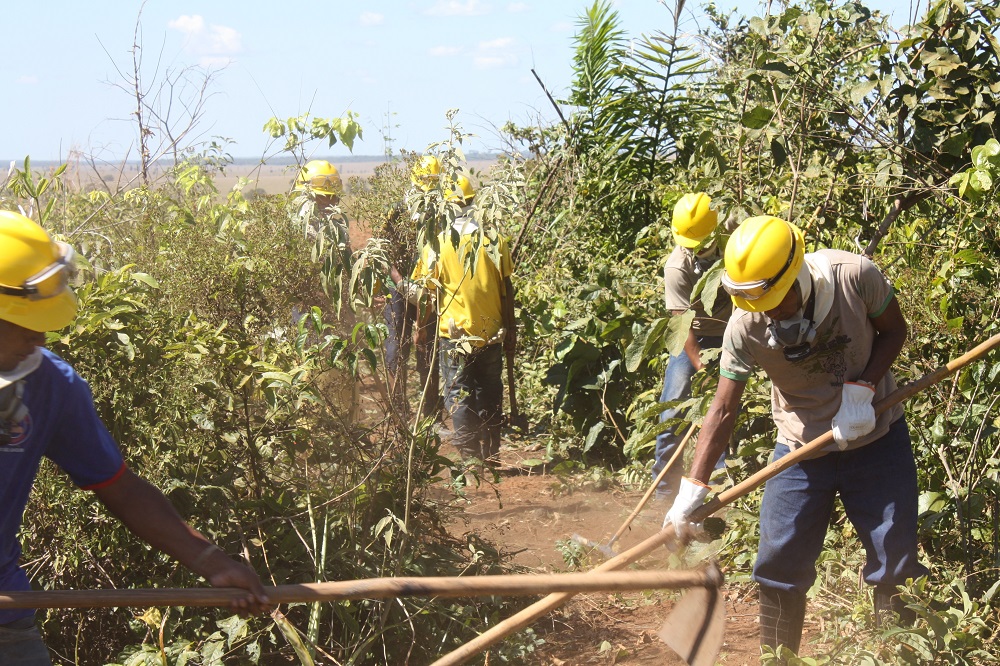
527	513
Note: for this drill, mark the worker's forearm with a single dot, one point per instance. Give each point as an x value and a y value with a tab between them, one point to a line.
693	350
425	308
149	515
885	349
717	428
712	441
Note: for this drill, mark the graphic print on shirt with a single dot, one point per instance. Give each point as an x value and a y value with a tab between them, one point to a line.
827	357
16	434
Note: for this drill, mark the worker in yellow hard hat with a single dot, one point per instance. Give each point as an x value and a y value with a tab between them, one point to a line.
475	325
426	173
825	327
401	312
694	226
322	180
46	409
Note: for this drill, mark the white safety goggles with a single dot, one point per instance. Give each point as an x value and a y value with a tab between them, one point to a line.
50	281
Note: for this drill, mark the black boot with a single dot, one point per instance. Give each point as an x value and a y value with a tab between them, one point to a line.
888	605
781	616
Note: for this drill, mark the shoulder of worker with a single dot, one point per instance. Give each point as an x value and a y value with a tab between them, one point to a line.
850	265
54	364
680	259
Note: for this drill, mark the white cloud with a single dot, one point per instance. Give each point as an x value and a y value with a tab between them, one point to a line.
494	62
495	53
444	51
517	7
215	44
493	44
372	18
457	8
188	24
27	80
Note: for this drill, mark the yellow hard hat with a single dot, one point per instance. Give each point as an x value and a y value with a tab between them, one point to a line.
34	276
763	258
426	172
464	194
321	177
693	220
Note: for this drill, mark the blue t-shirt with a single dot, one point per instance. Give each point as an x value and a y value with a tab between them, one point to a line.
62	425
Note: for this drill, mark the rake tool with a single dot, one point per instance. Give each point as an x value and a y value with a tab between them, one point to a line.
607	549
704	652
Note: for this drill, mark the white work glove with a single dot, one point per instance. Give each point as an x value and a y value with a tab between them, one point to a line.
690	496
856	417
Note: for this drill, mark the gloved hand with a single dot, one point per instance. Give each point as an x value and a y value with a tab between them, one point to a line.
856	417
690	496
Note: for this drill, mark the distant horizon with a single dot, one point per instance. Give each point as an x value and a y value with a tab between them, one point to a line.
277	160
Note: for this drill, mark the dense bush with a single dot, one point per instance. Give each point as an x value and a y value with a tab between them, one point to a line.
243	416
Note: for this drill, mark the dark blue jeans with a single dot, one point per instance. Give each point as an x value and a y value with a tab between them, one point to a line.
21	644
677	388
400	317
877	485
473	395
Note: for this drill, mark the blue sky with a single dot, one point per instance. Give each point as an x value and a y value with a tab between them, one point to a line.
413	60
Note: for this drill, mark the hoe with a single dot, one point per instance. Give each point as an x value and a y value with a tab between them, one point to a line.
695	628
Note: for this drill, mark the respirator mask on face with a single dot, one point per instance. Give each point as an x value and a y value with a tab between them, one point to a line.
794	336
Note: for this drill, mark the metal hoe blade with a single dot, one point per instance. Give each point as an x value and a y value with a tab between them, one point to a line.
695	627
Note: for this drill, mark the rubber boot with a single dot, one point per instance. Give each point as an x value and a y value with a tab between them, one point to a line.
781	617
889	606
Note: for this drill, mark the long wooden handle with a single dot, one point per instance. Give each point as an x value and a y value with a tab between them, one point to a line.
374	588
528	615
511	385
656	482
808	450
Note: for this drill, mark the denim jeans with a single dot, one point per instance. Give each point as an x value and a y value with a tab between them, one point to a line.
677	388
473	395
21	644
400	317
877	485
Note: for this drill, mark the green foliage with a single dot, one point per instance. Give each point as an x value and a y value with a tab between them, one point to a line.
820	113
946	87
23	184
978	179
634	99
216	367
299	131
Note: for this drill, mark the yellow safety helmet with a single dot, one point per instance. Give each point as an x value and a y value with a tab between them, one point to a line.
464	194
693	220
34	276
763	258
426	172
321	177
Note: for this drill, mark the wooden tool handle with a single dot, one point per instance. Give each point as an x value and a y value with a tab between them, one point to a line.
809	450
374	588
525	617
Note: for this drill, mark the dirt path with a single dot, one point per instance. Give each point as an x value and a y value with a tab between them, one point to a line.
526	514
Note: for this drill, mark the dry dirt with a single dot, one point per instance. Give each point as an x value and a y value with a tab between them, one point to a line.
526	513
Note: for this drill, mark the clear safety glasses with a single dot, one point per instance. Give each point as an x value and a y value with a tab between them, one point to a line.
751	291
49	282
